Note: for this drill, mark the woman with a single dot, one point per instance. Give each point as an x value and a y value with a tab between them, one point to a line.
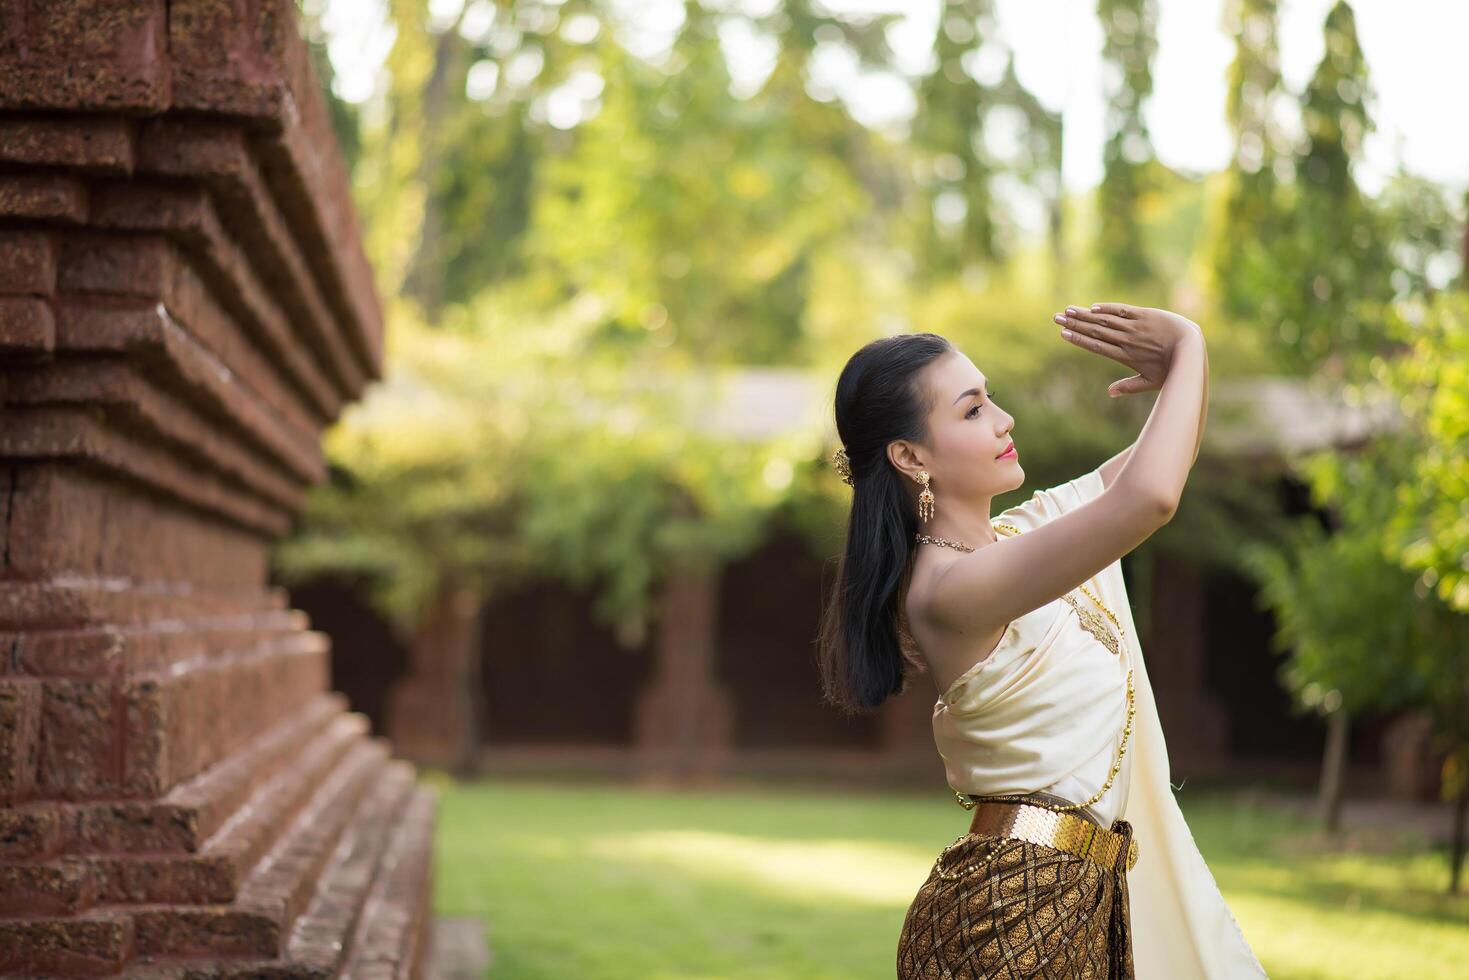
1077	861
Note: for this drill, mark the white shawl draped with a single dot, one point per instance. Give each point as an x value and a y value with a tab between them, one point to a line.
1181	926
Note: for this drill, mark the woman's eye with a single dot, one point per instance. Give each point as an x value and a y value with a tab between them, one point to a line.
970	414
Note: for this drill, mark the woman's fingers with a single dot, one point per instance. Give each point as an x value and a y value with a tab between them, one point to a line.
1094	325
1110	321
1116	309
1077	333
1131	386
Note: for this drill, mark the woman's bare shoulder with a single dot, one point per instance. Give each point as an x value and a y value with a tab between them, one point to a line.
948	653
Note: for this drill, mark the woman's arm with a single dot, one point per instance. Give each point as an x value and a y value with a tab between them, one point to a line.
1113	466
1166	448
980	592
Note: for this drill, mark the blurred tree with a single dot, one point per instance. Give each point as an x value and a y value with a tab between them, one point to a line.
1337	260
1431	379
696	214
961	215
1255	219
1429	533
478	91
1424	229
1037	165
819	124
420	501
1346	615
388	188
474	93
978	134
1374	616
1130	32
801	28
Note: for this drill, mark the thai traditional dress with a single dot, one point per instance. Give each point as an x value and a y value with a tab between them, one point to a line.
1041	720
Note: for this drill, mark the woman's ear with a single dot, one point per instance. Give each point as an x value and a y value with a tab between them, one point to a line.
903	456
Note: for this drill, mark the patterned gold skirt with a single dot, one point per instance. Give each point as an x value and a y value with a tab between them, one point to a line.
1000	907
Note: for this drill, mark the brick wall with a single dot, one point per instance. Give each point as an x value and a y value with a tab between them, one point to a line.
184	306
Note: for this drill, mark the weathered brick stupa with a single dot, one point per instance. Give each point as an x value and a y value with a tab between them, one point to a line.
184	306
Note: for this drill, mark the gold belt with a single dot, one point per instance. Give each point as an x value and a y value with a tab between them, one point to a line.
1063	831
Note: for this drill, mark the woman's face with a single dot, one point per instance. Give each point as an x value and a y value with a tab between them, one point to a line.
968	431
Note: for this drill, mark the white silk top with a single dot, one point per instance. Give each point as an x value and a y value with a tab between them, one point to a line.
996	737
1045	711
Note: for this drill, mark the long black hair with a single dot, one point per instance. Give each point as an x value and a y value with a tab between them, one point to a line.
864	646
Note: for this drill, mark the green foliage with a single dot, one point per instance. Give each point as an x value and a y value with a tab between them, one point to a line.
1346	614
697	218
423	477
629	486
1427	232
1430	531
949	137
1130	33
963	172
458	137
1374	614
1336	256
1297	249
1255	219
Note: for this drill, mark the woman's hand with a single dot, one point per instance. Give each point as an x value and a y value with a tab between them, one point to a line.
1139	337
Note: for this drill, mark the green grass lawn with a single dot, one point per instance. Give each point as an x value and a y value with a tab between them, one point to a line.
600	881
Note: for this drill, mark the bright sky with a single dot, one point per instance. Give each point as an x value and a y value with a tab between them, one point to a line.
1413	48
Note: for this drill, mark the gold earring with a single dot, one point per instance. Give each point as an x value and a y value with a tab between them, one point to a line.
925	499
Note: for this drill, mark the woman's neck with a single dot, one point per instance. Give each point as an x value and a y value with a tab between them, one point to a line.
971	527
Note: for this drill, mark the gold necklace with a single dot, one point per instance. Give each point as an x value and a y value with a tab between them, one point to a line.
1097	627
930	539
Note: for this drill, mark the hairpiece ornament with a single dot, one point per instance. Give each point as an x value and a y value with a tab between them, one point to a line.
843	465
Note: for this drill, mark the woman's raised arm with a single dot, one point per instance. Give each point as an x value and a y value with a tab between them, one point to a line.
984	590
1147	339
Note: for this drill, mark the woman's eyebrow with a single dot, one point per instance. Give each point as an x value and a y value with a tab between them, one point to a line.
966	393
